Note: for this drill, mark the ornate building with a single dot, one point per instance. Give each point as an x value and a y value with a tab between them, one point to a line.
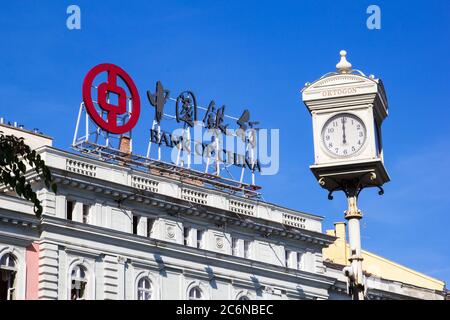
114	232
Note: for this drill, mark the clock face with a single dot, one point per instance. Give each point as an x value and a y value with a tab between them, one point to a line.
343	135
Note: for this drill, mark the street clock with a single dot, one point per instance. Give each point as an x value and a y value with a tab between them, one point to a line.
347	109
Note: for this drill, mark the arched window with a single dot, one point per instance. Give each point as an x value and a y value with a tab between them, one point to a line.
144	289
79	282
195	294
8	271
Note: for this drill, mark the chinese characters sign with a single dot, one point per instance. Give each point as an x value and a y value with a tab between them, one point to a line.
112	102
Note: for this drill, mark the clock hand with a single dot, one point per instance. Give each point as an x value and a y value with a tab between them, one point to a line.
344	141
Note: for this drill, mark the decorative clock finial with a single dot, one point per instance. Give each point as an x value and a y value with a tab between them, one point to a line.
343	66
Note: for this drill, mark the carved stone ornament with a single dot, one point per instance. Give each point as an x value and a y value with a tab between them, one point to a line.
219	242
170	230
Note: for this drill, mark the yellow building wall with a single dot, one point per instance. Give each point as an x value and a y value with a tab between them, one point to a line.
378	266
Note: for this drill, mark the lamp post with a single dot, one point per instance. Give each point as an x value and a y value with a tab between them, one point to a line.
353	215
347	109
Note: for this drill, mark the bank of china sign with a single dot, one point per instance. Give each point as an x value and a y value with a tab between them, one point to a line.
199	139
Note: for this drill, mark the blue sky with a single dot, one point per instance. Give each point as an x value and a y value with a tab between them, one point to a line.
258	54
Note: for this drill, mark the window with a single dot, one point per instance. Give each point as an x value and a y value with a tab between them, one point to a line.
195	294
287	258
186	233
200	238
234	247
79	282
247	252
135	224
150	223
86	209
69	209
144	289
8	262
7	277
300	261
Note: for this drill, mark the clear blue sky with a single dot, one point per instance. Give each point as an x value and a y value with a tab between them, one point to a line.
259	54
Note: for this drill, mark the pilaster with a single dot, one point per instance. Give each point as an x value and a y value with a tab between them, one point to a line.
48	271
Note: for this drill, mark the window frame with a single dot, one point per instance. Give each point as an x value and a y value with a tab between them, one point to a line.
204	287
85	216
73	203
235	246
187	237
11	271
244	293
300	261
83	280
198	290
150	290
150	224
200	241
135	220
89	269
248	244
288	258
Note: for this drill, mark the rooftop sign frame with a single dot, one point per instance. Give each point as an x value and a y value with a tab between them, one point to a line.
107	124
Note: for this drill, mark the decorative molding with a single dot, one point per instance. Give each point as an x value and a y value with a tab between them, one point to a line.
219	242
81	167
294	220
144	184
82	252
194	196
242	207
170	231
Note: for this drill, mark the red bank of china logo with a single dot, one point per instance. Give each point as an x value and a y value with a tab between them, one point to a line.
111	123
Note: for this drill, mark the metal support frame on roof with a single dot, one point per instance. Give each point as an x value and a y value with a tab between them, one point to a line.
158	167
93	141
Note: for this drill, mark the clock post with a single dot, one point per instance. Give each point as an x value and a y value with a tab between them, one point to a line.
347	109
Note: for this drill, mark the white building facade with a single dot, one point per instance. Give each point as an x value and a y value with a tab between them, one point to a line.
113	232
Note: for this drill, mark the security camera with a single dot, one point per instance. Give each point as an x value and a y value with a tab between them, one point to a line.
348	272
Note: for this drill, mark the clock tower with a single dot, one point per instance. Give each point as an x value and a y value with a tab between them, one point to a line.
347	109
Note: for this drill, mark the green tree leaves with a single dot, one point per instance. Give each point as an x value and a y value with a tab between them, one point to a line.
15	155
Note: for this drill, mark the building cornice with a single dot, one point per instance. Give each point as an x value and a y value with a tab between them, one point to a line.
173	206
11	216
114	166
